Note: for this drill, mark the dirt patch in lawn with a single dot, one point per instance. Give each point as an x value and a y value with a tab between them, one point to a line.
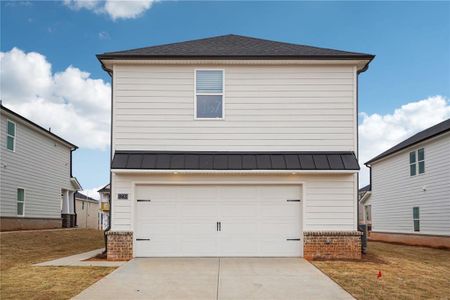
407	272
19	250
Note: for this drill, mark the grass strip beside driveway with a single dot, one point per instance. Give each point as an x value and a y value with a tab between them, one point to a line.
407	272
19	250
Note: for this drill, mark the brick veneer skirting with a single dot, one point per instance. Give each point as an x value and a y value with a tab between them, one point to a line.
332	245
25	223
120	245
434	241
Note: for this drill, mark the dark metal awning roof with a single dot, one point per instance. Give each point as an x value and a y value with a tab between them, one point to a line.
204	160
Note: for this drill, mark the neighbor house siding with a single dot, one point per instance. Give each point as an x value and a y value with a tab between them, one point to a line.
39	165
87	216
395	192
329	203
267	108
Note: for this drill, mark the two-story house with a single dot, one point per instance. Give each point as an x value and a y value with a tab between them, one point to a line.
36	183
410	183
234	146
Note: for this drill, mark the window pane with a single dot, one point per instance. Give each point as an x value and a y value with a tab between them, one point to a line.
416	213
209	81
10	143
20	195
412	169
421	167
209	106
11	128
416	225
20	208
412	157
421	154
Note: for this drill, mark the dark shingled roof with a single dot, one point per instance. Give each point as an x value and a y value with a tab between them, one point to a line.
417	138
83	197
366	188
38	127
233	46
106	188
174	160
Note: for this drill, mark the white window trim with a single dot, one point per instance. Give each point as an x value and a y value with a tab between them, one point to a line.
17	201
209	94
14	137
416	162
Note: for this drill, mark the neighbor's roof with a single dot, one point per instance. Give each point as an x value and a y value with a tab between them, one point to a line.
233	47
36	126
174	160
106	188
417	138
367	188
83	197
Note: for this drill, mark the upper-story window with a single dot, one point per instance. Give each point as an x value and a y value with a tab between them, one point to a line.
417	162
11	136
209	94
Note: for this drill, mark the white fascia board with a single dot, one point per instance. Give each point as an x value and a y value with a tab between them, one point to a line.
359	63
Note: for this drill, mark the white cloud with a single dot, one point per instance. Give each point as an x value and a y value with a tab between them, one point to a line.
74	105
103	35
92	192
378	133
116	9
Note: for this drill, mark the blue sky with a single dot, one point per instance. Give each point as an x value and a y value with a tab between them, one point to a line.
411	41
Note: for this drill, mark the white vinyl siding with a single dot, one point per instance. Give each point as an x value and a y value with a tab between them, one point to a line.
39	165
395	192
268	108
329	202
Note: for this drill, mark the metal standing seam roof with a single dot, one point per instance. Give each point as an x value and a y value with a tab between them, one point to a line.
428	133
233	46
173	160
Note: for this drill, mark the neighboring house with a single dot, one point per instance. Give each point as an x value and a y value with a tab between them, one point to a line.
87	211
411	189
36	183
234	146
104	206
365	206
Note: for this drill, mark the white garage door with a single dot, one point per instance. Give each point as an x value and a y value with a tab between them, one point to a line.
223	220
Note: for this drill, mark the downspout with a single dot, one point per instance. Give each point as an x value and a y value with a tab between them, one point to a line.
73	196
110	165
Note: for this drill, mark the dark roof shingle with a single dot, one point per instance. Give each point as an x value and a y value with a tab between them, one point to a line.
203	160
417	138
233	46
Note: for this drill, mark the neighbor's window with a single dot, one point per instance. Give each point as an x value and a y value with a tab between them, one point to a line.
416	218
417	162
209	94
11	136
20	201
368	212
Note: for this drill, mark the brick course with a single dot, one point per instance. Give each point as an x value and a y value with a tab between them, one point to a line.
332	245
23	223
120	245
433	241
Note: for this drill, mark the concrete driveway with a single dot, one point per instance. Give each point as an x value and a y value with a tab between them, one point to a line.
216	278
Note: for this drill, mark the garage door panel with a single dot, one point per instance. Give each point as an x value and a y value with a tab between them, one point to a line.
256	220
198	210
282	229
282	210
148	211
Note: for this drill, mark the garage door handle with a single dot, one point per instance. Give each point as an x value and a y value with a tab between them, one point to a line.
293	200
292	239
142	239
141	200
219	226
